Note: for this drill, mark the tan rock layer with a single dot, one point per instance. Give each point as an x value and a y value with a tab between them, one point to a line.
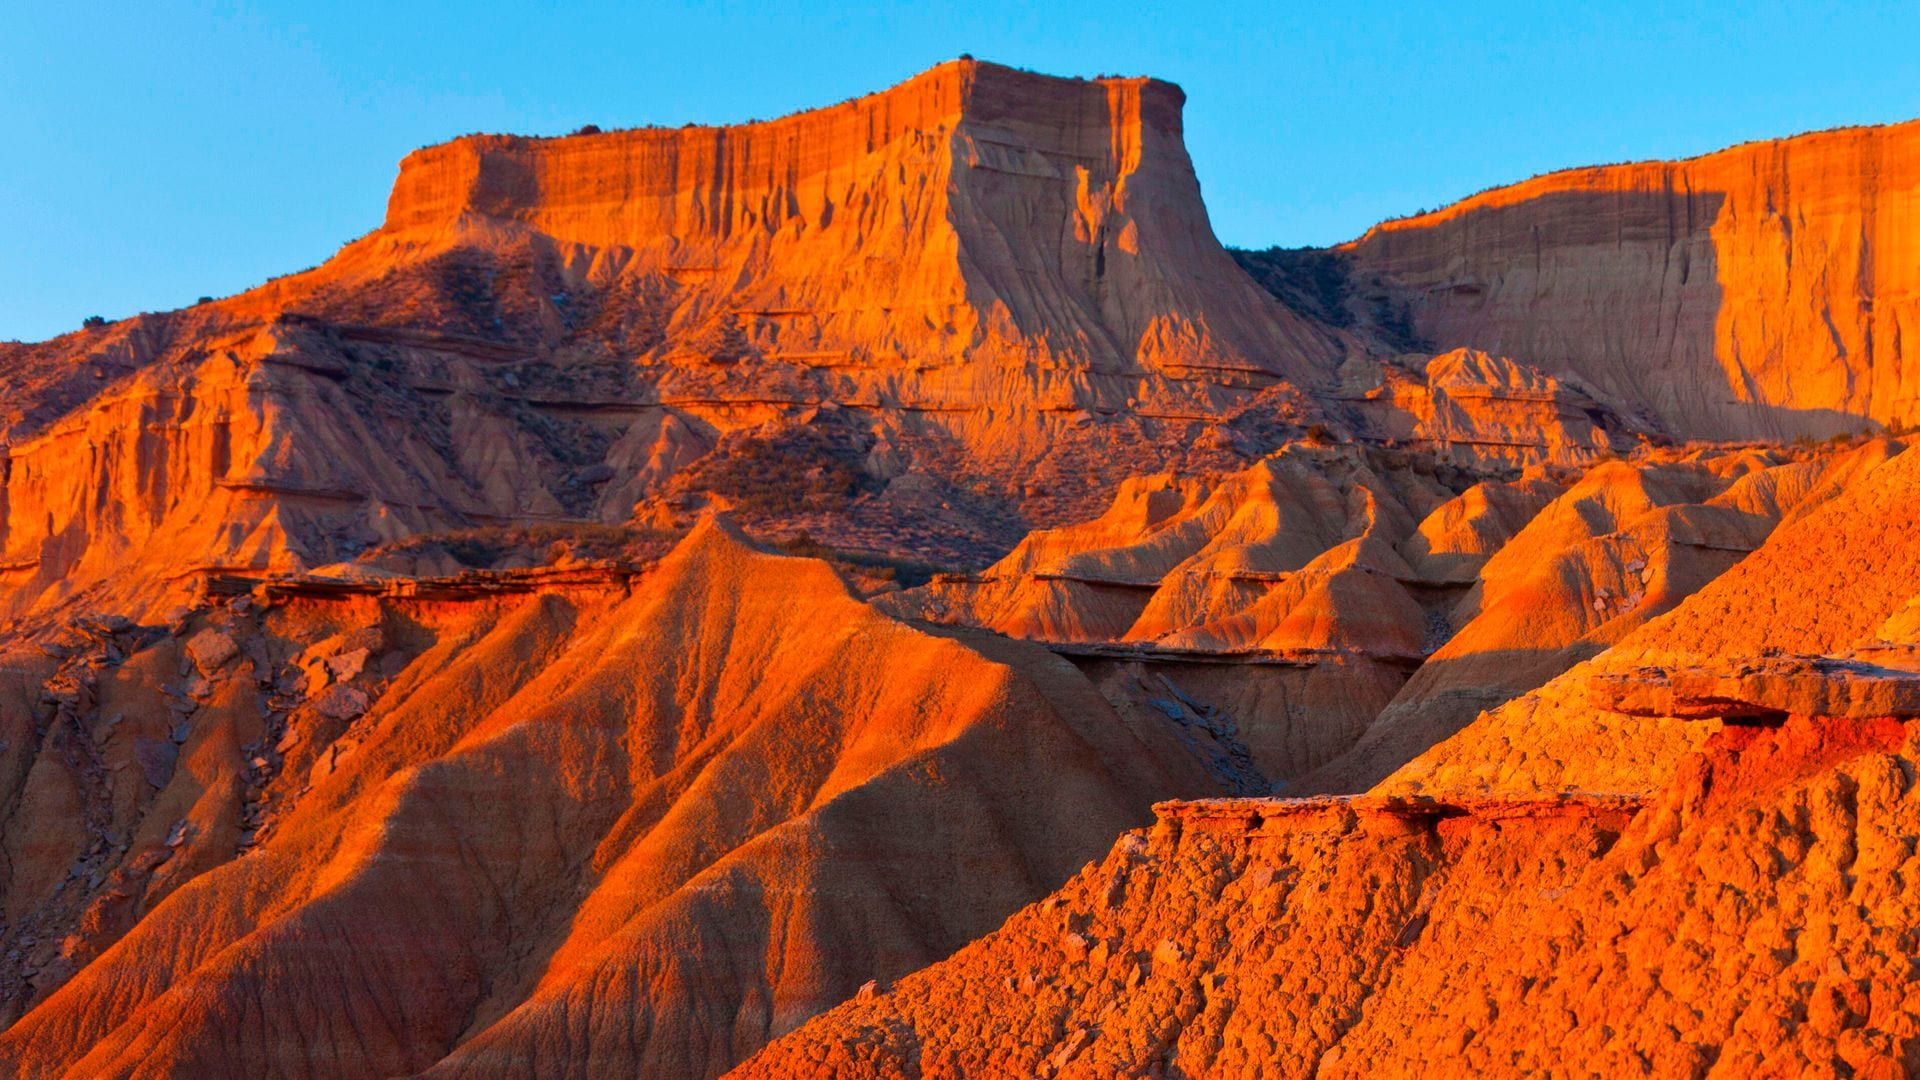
1772	289
971	206
998	275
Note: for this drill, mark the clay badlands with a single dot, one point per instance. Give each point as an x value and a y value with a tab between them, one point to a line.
884	593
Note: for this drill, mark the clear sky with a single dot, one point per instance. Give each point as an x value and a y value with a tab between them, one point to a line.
161	150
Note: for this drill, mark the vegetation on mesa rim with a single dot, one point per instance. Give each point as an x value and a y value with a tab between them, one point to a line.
1318	283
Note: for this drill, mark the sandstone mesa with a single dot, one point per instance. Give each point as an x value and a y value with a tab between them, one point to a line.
883	592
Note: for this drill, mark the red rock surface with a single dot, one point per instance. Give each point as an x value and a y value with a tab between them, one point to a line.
1832	578
383	690
552	831
1750	918
992	215
1479	408
1767	290
904	323
1372	612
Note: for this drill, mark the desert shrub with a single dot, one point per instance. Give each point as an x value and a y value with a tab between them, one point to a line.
484	546
1394	322
907	573
1311	281
796	470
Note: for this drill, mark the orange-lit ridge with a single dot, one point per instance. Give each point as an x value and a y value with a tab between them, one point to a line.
884	593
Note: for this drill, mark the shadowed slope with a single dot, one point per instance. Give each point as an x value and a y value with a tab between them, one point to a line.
1368	612
1577	883
1623	545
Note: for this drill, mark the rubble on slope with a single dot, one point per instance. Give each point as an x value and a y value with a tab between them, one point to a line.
1750	915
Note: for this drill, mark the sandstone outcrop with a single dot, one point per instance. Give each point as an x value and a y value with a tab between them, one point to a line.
1479	409
1832	578
400	673
1385	611
1882	683
1288	567
905	324
1048	230
1622	545
1767	290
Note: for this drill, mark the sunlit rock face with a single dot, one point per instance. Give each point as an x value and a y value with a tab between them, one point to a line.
1050	231
1832	579
1769	290
1371	603
665	586
1689	855
1591	934
1479	409
564	824
914	323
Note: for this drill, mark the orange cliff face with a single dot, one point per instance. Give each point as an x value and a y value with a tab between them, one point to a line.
971	213
1691	855
1768	290
985	296
439	724
1750	918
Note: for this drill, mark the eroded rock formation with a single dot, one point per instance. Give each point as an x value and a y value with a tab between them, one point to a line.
383	692
1768	290
1834	577
567	827
1371	612
904	324
1748	917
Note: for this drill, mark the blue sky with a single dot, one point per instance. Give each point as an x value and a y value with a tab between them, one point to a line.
160	151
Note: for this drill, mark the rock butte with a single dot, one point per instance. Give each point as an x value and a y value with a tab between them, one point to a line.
674	601
981	275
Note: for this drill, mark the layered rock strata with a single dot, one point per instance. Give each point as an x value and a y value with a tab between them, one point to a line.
614	823
1767	290
906	325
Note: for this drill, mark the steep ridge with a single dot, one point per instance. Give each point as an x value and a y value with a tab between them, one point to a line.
982	207
1750	918
1480	409
1687	856
379	694
1832	579
737	793
1768	290
1268	605
263	454
1620	547
1341	610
